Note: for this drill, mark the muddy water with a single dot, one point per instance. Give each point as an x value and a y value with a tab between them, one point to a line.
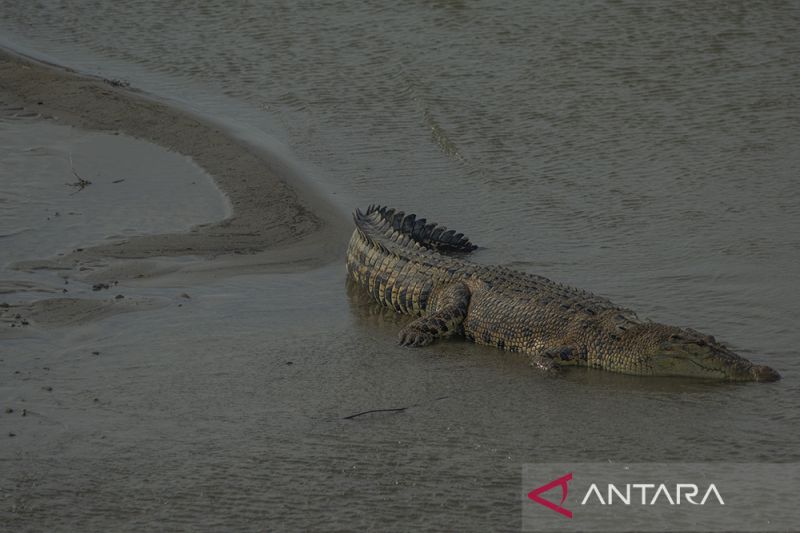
648	155
63	188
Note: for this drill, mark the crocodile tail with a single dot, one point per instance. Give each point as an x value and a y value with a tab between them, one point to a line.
428	235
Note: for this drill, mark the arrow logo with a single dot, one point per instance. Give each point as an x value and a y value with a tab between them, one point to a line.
562	482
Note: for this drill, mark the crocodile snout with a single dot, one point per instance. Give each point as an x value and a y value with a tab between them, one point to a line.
764	373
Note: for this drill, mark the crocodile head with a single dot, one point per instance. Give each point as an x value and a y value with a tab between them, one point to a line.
672	351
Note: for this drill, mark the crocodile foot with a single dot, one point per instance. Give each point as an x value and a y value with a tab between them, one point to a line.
414	337
543	363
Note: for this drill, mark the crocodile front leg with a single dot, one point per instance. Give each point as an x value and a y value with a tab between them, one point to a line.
448	308
553	359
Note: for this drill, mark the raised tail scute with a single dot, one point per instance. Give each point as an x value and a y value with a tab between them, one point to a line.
429	235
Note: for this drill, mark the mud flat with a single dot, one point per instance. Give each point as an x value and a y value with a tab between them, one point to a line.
268	213
268	220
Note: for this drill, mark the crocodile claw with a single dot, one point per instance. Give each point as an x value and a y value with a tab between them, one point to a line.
414	337
545	364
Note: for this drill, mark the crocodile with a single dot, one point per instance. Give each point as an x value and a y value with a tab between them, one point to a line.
420	268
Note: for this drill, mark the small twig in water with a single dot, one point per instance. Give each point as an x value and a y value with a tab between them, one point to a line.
396	409
374	411
81	183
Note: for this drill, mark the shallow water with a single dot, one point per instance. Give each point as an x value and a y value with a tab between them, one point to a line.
230	411
62	188
646	154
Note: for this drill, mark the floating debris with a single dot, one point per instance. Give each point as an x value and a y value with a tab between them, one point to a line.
82	183
115	82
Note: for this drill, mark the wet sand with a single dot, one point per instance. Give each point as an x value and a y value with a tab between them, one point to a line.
274	225
268	212
78	317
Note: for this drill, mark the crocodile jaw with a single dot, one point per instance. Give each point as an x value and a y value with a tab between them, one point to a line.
710	362
764	373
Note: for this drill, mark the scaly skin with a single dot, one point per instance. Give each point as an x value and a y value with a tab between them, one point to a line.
403	264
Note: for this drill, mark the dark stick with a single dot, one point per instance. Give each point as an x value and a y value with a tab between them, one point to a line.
374	411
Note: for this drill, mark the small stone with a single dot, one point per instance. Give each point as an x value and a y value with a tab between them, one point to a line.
119	297
9	410
95	353
48	388
12	434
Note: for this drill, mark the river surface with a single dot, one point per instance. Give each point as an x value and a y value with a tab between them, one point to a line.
646	152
